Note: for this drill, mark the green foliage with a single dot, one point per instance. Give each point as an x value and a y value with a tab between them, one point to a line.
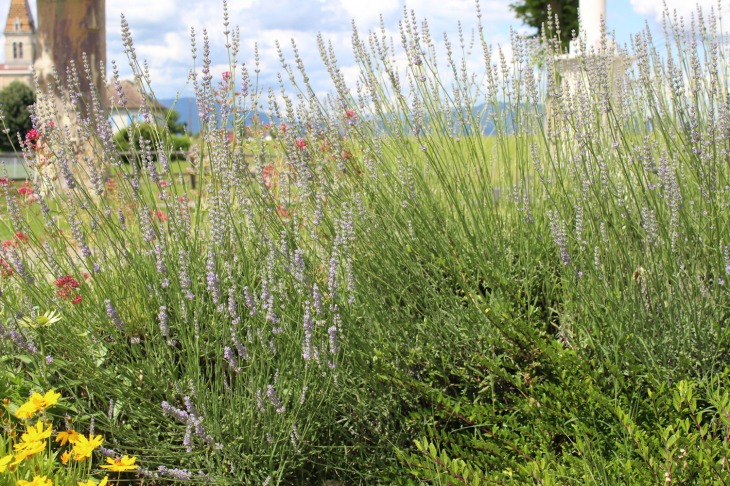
15	99
151	134
535	412
535	14
176	127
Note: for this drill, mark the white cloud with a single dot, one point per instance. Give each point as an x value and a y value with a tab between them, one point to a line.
655	8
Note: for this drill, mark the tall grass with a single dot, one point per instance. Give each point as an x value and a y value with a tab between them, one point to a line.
309	315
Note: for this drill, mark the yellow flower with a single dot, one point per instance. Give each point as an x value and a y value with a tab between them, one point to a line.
91	482
125	463
26	450
45	401
34	434
37	481
27	410
65	457
4	463
70	436
84	447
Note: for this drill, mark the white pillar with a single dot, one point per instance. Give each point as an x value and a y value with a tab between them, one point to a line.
591	12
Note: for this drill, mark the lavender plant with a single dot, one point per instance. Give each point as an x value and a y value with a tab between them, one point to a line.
237	326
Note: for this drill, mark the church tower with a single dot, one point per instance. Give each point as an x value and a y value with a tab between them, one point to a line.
20	35
20	45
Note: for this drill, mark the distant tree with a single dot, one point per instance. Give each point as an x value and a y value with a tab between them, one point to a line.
173	125
15	99
535	14
148	132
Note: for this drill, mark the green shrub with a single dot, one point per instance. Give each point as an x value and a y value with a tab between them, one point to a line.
150	133
15	99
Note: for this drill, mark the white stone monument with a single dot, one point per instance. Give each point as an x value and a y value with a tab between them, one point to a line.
591	12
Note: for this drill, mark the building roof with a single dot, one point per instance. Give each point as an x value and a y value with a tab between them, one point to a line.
6	69
134	99
20	10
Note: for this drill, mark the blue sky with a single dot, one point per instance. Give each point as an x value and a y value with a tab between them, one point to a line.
161	29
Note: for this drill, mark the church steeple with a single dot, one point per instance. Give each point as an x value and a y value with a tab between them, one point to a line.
20	18
20	35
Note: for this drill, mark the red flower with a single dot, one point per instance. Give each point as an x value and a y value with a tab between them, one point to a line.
21	236
25	191
226	75
31	137
269	176
4	180
283	212
301	143
5	269
161	216
346	155
10	243
163	184
350	114
51	124
66	281
66	286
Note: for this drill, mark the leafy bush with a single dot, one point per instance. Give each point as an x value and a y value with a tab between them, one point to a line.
146	136
15	99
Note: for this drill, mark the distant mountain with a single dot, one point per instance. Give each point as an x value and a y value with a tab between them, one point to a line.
188	111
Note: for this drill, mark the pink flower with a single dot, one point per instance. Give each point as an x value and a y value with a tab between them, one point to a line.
226	75
25	191
31	138
5	269
66	281
158	215
301	143
350	114
283	212
10	243
66	286
269	175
